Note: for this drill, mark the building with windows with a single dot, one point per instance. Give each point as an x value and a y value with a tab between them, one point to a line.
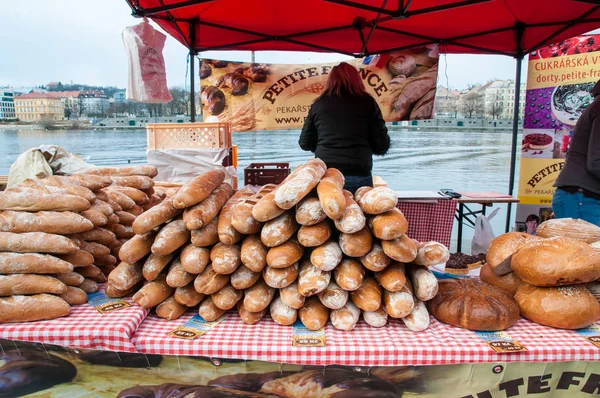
34	107
499	99
93	102
70	101
7	104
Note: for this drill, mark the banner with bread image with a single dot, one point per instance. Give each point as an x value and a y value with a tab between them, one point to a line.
278	96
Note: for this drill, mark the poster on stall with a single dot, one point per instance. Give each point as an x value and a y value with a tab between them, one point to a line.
40	370
559	82
278	96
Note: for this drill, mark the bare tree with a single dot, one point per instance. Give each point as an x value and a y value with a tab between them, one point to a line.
496	108
178	106
473	105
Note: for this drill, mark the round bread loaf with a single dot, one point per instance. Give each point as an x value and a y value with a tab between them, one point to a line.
474	305
569	228
566	307
508	282
502	248
556	261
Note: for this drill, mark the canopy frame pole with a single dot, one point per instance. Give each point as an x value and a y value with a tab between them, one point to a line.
193	54
519	31
170	7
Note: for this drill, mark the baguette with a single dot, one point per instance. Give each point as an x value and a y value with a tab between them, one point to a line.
254	253
120	231
124	201
291	296
314	235
103	261
125	218
284	255
258	297
204	212
36	242
154	265
170	309
331	195
279	278
279	230
227	233
425	284
209	282
92	182
170	238
90	271
138	196
299	183
327	256
209	311
32	308
46	187
178	276
188	296
418	319
248	317
89	286
227	297
357	244
32	200
266	209
93	248
136	210
225	258
143	170
138	182
349	274
95	217
313	314
243	278
393	278
137	247
376	200
154	217
389	225
399	304
368	296
198	188
98	235
242	219
402	249
126	275
79	258
377	319
104	204
194	259
70	278
32	263
44	221
353	218
15	284
345	318
74	296
312	280
100	278
333	297
431	253
282	313
112	291
375	260
153	293
309	211
107	269
207	235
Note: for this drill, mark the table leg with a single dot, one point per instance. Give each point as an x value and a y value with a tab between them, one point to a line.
461	209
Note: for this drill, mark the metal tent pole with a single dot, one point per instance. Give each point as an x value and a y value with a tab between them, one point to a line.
513	149
193	53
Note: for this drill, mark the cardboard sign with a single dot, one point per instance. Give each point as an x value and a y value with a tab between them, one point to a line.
104	304
303	337
194	327
501	342
591	334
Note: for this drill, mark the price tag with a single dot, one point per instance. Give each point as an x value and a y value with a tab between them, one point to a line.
591	334
303	337
501	342
104	304
194	327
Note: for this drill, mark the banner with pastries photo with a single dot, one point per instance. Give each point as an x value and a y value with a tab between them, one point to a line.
278	96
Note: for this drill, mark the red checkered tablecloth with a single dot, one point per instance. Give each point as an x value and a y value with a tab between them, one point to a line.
392	345
429	221
83	328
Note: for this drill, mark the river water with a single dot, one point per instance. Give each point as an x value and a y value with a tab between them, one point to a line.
418	160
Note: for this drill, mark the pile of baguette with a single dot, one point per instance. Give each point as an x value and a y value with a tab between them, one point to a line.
303	249
59	237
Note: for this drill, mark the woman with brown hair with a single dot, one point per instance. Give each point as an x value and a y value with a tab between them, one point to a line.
345	128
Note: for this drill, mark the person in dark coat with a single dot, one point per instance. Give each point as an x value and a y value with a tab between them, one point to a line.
577	192
345	127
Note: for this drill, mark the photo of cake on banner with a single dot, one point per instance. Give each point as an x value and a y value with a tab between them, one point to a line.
254	96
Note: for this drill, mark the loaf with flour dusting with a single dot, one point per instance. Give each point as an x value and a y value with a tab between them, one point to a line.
299	183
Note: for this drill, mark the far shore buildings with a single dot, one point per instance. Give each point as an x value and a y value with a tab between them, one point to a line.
34	107
7	104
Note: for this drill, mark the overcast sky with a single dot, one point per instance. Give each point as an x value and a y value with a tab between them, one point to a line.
80	41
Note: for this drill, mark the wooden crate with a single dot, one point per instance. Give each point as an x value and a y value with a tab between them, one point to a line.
188	135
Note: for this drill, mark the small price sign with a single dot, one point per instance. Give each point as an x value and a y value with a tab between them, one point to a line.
104	304
501	342
303	337
194	327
